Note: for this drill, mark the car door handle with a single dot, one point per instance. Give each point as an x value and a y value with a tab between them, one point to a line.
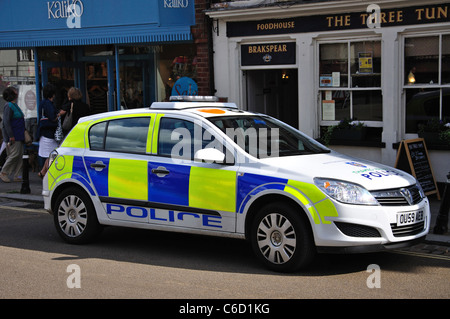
98	166
160	171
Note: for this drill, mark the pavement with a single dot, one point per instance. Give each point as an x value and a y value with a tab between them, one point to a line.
12	191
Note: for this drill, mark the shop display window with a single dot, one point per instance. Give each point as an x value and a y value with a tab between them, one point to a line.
17	69
149	72
174	62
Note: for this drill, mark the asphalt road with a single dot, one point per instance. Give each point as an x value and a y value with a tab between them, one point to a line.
128	263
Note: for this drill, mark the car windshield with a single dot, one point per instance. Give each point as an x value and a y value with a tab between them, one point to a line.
263	136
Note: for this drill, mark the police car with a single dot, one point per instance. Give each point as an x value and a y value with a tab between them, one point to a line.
210	168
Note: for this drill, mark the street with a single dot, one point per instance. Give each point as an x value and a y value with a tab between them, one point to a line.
131	263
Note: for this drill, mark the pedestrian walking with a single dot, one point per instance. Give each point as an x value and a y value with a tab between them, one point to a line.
75	108
48	123
13	129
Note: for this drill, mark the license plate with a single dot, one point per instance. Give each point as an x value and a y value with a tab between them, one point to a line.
408	218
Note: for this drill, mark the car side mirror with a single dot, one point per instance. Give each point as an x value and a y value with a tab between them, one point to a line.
209	155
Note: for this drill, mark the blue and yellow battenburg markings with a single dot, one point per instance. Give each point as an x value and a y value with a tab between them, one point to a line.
66	167
186	186
318	205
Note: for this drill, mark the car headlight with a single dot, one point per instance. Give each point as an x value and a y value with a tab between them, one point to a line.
345	192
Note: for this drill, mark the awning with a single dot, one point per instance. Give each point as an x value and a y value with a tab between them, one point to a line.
94	36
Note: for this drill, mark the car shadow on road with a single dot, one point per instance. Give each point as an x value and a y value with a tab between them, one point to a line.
178	250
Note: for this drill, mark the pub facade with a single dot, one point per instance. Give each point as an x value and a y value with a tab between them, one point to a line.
382	68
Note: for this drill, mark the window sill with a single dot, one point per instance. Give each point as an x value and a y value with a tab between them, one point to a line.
368	137
364	143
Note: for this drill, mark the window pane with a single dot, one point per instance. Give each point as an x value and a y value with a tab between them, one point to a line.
367	106
262	136
174	61
421	60
365	64
96	136
181	139
334	58
421	106
335	105
446	104
445	59
176	138
136	64
127	135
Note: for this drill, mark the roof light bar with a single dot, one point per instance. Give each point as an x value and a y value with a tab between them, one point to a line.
193	98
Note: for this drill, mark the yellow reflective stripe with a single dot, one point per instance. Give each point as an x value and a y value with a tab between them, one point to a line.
212	189
308	194
128	179
148	148
310	190
326	209
314	214
296	194
76	137
60	169
155	134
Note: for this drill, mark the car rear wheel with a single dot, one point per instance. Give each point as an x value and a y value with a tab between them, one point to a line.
75	218
281	238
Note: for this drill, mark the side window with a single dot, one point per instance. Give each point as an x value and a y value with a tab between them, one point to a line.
181	138
97	136
122	135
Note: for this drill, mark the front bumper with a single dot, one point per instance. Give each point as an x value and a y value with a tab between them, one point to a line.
370	228
369	248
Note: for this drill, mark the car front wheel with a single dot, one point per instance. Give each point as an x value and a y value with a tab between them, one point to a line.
281	238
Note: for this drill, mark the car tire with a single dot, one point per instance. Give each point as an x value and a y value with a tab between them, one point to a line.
75	217
281	238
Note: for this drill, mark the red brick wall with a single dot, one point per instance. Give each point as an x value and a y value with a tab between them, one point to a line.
200	34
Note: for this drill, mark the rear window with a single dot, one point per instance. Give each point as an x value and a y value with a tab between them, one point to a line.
121	135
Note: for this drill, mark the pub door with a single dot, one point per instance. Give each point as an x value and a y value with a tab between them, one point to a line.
273	92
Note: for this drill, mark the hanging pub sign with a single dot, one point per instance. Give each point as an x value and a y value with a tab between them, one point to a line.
268	54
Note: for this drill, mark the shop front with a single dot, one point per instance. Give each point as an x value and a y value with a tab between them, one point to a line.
120	55
380	70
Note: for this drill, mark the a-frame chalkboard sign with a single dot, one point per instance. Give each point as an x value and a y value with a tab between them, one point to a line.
412	157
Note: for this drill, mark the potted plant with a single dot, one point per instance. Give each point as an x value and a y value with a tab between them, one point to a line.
435	132
346	130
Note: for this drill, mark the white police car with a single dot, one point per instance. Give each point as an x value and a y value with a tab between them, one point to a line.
210	168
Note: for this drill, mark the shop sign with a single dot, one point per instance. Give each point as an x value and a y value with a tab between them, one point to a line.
268	54
176	3
343	21
185	86
39	15
64	9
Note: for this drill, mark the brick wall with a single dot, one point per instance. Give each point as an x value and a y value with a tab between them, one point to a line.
200	33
